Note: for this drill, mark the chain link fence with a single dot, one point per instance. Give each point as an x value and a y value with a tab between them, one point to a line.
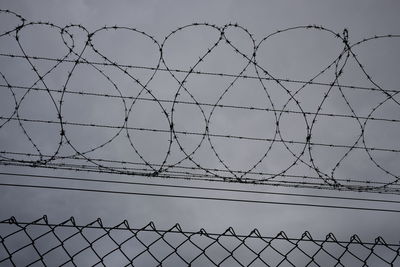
41	243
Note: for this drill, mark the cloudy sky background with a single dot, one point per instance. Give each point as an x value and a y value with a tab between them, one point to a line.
295	55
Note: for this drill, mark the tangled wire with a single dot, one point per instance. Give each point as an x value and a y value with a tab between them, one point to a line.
188	149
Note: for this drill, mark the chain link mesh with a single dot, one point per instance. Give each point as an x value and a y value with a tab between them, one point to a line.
41	243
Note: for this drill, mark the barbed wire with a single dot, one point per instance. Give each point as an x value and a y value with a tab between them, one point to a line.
95	244
301	152
285	180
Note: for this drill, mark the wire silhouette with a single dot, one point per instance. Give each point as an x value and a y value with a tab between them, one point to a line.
200	188
189	166
95	244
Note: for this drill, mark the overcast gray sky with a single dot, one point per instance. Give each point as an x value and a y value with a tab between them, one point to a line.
295	55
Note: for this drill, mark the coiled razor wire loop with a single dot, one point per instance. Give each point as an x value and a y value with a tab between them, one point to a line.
78	53
70	244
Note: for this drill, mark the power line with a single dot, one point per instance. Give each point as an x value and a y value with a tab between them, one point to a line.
366	187
197	197
125	163
55	177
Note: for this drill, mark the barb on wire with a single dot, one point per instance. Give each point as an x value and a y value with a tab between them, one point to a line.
200	150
